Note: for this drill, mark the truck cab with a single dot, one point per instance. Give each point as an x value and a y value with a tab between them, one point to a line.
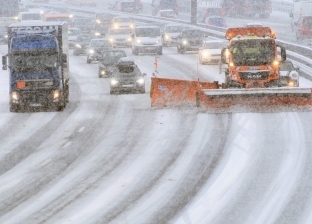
38	63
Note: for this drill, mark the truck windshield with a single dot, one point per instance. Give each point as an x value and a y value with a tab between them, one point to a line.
253	52
34	62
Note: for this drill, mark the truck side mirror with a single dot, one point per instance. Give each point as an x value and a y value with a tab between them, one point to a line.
283	54
224	56
4	63
64	60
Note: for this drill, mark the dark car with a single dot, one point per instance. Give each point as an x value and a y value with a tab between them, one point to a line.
101	29
163	5
96	46
127	77
215	21
190	40
82	43
303	27
289	75
108	59
124	6
204	12
84	24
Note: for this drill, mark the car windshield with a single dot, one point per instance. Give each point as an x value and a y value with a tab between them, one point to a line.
216	20
286	66
34	62
85	38
100	43
122	20
31	16
74	32
118	31
173	29
214	45
253	52
147	32
111	57
82	22
193	33
167	13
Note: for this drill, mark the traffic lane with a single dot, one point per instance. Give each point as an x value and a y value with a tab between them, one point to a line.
264	159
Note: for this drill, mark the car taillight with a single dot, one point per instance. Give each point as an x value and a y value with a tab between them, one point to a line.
302	29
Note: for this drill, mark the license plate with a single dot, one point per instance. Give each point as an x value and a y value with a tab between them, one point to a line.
128	86
35	104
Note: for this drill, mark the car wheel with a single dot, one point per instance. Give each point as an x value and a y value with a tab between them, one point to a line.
142	90
88	61
135	51
200	60
160	51
14	108
75	53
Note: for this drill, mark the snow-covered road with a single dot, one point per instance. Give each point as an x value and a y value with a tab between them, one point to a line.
114	159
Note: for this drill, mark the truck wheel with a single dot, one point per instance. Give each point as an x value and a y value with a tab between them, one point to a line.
14	108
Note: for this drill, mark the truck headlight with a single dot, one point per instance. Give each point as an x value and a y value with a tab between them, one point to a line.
6	36
167	37
111	40
98	21
103	72
114	82
138	41
77	45
56	94
140	81
97	34
91	51
184	42
15	95
129	39
116	25
131	25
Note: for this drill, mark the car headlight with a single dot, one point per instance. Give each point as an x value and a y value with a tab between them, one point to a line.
91	51
129	39
97	34
103	72
6	36
140	81
116	25
167	37
294	75
111	40
15	18
131	25
98	21
15	95
41	12
71	16
206	54
56	94
138	41
114	82
78	45
184	42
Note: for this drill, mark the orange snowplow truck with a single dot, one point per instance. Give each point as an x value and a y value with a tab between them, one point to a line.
252	58
252	78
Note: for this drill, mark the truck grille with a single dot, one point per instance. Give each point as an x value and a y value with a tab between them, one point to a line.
254	75
42	83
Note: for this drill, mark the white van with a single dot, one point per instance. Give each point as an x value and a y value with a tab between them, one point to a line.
301	8
146	39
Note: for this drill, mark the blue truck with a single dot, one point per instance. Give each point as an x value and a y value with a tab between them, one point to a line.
38	65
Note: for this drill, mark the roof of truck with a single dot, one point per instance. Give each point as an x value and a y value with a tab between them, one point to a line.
25	24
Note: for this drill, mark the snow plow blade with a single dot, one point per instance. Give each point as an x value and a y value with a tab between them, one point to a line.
256	98
176	92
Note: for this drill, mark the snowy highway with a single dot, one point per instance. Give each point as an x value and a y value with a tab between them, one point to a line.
115	159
